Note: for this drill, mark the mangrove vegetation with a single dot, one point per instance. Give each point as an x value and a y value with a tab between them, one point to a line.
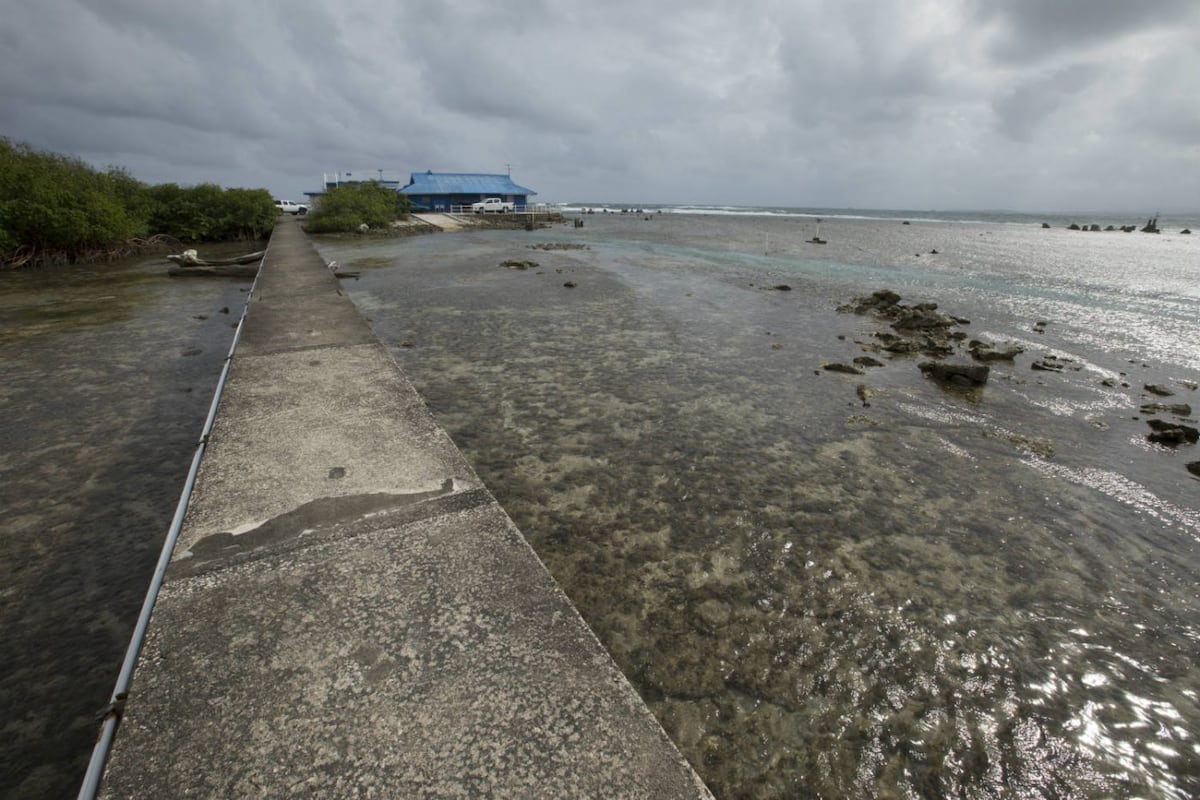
56	208
348	207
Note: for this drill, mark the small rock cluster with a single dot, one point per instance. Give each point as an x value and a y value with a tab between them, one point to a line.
920	329
1171	433
557	246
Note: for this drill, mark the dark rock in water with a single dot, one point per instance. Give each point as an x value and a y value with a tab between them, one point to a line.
569	284
1178	409
986	351
922	318
1171	433
882	302
1040	326
1194	468
920	327
846	368
514	264
1185	231
1072	227
1094	228
782	287
867	361
1045	224
903	345
1158	389
1110	228
1055	364
955	374
906	222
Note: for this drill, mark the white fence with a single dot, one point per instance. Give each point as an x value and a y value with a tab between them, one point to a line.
531	208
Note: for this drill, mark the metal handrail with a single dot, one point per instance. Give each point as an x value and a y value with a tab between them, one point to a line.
113	712
531	208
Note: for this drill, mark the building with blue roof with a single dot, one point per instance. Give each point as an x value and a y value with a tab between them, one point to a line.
439	191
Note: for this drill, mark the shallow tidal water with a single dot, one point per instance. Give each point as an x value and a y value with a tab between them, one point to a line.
108	371
837	585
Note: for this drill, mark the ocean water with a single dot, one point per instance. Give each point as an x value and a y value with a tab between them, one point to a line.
108	371
838	585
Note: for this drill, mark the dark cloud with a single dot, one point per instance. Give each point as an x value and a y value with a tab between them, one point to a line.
928	103
1033	29
1035	102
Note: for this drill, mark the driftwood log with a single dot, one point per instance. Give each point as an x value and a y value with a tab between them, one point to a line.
189	258
189	265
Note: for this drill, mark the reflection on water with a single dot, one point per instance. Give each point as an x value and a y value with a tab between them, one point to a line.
108	371
913	595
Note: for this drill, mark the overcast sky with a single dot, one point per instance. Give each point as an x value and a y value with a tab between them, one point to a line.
1035	105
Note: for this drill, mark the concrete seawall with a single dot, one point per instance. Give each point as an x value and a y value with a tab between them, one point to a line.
348	611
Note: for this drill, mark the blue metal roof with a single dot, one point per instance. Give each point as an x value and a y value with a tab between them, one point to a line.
423	183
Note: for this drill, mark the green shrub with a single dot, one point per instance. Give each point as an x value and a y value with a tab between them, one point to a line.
56	207
346	207
209	213
54	202
246	214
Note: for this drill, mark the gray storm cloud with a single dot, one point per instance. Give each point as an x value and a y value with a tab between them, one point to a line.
1076	104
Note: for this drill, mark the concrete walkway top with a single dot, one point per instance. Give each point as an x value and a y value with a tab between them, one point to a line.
445	222
349	612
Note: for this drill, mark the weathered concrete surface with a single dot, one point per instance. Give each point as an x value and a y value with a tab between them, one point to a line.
445	222
349	612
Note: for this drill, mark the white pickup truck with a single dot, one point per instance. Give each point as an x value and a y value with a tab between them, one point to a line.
492	204
288	207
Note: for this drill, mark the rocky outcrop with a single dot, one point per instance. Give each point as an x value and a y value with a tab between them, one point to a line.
1178	409
919	328
1054	363
1158	389
1171	433
882	302
981	350
843	368
961	375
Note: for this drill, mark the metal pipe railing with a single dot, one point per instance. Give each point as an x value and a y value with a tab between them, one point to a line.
111	717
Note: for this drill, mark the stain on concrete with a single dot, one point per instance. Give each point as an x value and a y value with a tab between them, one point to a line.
311	518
